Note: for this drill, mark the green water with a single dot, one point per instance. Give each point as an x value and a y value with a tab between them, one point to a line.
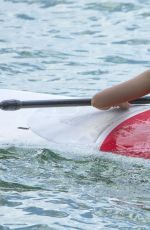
72	48
41	190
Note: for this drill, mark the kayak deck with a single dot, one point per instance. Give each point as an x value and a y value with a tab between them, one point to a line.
14	127
66	129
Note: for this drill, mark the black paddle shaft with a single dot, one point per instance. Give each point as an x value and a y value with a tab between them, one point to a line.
11	105
140	101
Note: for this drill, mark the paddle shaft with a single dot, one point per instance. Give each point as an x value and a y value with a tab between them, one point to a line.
11	105
16	104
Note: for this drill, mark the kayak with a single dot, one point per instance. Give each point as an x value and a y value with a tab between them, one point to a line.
14	127
114	131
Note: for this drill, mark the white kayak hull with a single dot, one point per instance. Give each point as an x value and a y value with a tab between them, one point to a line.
65	129
14	125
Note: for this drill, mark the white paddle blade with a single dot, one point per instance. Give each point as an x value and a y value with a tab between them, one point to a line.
75	126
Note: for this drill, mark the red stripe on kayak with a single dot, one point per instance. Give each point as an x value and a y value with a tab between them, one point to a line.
131	137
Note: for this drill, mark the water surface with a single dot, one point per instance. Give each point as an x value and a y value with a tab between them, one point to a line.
72	48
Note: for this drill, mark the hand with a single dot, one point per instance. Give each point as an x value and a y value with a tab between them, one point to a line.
124	105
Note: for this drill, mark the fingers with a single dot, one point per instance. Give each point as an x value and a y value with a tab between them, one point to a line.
124	105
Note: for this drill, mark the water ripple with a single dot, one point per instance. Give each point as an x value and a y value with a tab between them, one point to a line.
121	60
9	186
25	17
111	7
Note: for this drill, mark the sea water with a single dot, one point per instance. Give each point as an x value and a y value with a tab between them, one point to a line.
72	48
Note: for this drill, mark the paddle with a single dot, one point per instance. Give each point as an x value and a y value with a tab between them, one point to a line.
11	105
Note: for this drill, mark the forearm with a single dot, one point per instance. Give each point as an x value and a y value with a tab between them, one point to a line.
126	91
